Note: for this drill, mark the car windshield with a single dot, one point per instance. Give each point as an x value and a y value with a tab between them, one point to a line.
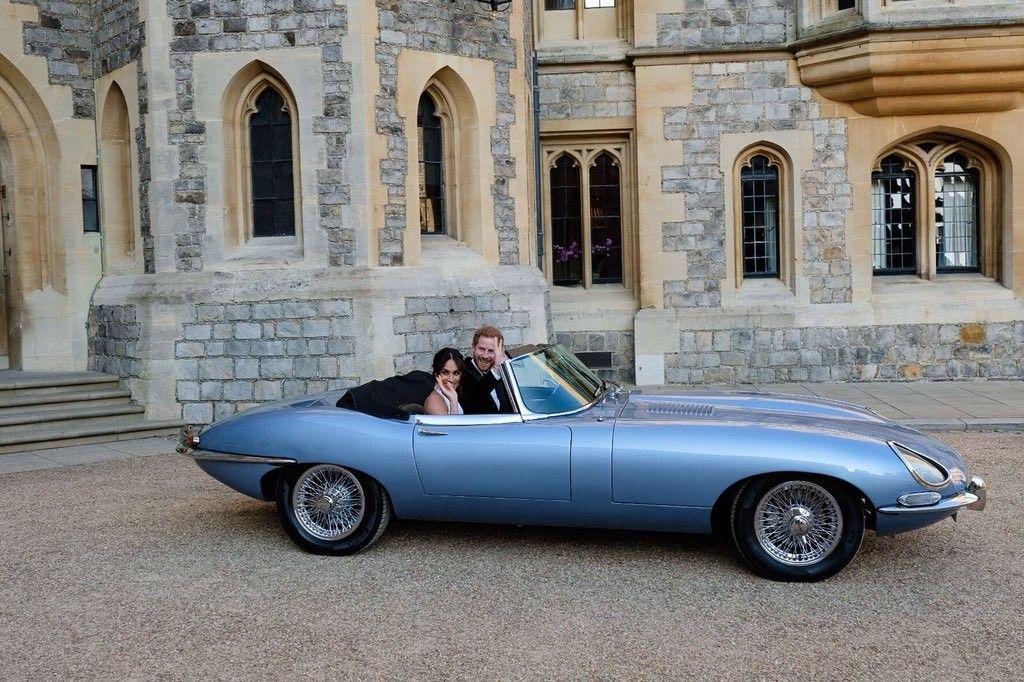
553	380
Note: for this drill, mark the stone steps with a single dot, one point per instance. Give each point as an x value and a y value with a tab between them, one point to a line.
32	403
53	409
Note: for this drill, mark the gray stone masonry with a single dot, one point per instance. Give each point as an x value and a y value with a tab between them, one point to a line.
735	97
113	340
236	355
883	353
601	94
451	28
431	323
709	24
619	344
145	173
64	35
233	25
119	36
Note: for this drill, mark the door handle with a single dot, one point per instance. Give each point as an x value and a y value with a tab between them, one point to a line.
428	432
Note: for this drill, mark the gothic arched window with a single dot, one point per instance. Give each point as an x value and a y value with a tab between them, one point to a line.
273	187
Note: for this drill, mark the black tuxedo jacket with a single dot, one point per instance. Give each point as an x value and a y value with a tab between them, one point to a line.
476	390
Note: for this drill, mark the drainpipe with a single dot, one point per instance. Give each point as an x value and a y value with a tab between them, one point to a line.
537	165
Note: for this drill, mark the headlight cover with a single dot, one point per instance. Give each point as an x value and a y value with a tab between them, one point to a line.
924	470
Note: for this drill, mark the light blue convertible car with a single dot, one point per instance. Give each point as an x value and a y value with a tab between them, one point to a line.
795	480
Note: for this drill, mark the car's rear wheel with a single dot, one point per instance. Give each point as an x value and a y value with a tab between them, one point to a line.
328	509
796	528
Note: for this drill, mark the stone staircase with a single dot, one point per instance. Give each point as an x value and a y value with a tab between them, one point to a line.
54	409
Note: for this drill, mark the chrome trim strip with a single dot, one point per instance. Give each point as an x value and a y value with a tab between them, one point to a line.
466	419
208	456
950	504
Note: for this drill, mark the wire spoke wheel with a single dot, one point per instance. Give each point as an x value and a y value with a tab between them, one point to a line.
329	502
798	523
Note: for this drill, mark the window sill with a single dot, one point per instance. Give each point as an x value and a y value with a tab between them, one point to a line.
952	288
598	297
445	253
270	251
762	291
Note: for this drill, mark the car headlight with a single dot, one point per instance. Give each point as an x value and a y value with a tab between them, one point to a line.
924	470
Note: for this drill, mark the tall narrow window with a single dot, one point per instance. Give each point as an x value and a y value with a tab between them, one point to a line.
760	188
273	187
566	223
605	221
894	221
956	215
90	200
431	157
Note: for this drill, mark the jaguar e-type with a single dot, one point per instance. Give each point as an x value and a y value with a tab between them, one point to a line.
795	480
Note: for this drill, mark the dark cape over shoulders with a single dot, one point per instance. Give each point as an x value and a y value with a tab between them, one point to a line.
385	397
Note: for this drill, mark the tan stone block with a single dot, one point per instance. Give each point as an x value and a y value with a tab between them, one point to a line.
972	333
910	371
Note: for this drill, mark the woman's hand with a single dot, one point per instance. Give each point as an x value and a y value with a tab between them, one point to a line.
448	390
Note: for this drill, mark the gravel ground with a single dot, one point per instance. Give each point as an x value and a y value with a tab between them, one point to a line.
147	568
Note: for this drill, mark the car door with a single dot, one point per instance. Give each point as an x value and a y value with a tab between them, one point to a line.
493	456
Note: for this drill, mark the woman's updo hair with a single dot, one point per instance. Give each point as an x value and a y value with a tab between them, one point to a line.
442	356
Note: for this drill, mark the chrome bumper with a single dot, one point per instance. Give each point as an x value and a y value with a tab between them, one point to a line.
972	498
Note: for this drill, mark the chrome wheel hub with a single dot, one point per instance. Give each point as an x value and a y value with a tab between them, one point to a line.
329	502
798	523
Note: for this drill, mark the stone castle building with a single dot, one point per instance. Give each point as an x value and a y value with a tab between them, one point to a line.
226	202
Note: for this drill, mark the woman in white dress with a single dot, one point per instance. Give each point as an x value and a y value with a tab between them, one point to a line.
448	366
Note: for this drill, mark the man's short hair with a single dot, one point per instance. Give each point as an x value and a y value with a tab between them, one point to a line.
490	332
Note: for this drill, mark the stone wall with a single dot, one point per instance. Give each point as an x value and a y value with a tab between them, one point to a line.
757	96
64	35
601	94
447	28
113	340
710	24
145	173
431	323
878	353
619	344
233	356
119	35
234	25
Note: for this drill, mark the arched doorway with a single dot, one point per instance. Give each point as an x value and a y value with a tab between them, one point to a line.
32	258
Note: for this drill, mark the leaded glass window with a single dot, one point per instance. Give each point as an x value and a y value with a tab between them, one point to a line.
605	220
760	190
956	215
566	223
273	188
894	219
431	159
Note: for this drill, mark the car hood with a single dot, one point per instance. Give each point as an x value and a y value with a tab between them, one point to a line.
783	412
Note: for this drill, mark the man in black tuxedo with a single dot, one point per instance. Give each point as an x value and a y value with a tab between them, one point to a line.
483	389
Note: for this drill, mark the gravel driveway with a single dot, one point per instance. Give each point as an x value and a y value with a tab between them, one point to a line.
147	568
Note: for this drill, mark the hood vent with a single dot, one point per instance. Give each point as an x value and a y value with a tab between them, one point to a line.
669	408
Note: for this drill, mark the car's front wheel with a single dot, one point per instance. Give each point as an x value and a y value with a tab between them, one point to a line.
796	528
328	509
